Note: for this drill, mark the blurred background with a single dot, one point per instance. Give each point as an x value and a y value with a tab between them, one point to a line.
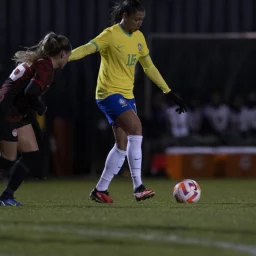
205	50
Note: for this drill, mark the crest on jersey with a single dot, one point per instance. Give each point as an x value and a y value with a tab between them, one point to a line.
139	47
122	102
14	133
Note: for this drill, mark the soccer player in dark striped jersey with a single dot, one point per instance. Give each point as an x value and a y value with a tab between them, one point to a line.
19	94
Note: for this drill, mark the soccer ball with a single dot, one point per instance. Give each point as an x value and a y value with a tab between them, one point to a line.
187	191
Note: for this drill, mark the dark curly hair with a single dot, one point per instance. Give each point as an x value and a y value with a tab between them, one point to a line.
127	6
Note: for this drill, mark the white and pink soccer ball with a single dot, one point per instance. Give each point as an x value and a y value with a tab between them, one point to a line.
187	191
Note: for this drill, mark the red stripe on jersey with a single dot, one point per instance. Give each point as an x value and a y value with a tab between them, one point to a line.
42	87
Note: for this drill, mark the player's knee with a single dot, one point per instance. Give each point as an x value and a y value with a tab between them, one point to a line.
28	145
9	157
136	129
122	144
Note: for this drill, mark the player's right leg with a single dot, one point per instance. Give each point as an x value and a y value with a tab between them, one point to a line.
113	164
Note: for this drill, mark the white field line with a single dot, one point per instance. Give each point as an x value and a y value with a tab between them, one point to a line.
250	249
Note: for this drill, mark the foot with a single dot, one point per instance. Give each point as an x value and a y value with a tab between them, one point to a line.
101	196
142	193
9	202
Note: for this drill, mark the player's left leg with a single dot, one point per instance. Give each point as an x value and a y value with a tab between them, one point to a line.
130	123
29	159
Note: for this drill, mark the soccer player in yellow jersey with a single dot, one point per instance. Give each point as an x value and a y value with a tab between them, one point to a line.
121	47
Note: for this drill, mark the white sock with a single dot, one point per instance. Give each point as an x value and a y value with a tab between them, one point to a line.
113	164
134	157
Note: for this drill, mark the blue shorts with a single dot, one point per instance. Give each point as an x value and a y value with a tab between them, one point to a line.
114	105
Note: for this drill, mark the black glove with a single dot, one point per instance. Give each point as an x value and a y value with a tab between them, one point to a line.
178	101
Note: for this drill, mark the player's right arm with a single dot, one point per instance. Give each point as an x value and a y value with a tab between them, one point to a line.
101	42
82	51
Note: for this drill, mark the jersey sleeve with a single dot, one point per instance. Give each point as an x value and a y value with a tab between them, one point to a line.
82	51
44	73
144	52
153	73
103	40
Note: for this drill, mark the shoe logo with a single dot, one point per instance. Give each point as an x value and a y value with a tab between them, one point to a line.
137	158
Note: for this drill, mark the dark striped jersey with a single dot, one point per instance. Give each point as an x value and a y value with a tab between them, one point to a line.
13	103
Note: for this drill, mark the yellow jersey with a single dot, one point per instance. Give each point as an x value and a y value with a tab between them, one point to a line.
120	53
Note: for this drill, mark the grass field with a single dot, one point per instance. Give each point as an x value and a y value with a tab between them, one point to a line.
59	219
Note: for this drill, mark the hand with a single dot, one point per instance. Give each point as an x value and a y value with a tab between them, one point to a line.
178	101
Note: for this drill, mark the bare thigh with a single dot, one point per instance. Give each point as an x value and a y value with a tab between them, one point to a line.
8	150
120	137
130	123
26	139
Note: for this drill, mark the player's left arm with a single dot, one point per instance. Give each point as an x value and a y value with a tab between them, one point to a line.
153	73
155	76
149	67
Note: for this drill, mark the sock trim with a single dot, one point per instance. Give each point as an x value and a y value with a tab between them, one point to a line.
135	137
123	152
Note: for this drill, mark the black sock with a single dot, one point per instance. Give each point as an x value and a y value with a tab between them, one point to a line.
5	164
20	171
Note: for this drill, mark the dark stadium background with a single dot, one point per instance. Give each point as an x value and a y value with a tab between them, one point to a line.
73	119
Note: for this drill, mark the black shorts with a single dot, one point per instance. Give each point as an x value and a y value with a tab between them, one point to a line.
9	131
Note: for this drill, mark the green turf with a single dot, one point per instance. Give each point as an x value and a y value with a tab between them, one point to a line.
59	219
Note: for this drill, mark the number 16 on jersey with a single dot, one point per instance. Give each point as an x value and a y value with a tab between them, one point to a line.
131	60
